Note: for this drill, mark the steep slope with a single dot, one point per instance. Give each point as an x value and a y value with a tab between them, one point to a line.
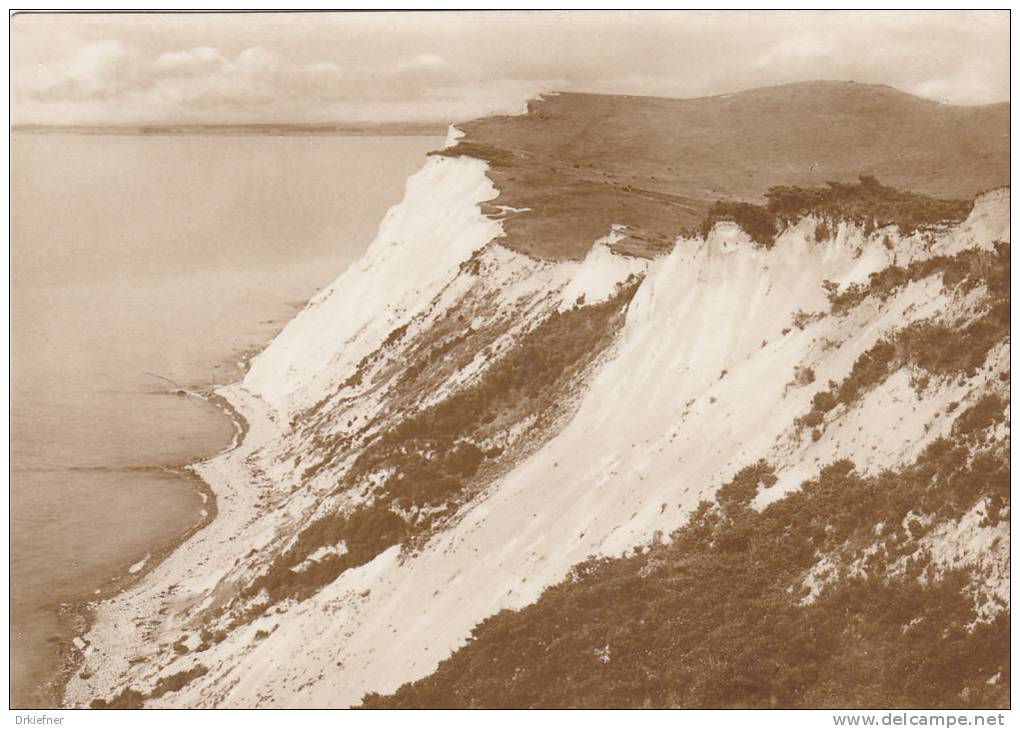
371	421
882	581
457	422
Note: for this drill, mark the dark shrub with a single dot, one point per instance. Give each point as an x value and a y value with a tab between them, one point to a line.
754	220
824	401
126	699
742	488
177	681
984	413
867	203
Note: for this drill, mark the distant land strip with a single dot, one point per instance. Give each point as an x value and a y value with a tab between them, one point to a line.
375	130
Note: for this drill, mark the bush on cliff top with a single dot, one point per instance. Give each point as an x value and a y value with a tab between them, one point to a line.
868	203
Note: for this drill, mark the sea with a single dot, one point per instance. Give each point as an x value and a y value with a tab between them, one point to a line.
145	267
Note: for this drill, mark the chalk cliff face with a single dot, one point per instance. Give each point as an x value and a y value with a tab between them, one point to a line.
470	411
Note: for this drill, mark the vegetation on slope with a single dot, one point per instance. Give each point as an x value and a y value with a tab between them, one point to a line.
722	616
828	597
968	269
131	698
940	349
433	457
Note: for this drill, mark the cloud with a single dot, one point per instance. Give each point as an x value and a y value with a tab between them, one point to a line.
970	83
203	83
111	82
794	51
94	69
422	60
201	58
355	67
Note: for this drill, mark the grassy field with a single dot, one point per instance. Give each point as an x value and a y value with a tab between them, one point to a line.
579	163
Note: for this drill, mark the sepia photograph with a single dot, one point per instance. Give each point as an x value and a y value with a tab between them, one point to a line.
603	359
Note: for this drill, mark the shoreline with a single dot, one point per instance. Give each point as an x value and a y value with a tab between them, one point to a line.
109	627
77	618
125	553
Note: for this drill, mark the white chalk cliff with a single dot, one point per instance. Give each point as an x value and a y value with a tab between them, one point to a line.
692	373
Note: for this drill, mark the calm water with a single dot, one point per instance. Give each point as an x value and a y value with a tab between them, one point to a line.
138	262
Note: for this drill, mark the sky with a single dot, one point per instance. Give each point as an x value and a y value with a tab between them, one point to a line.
97	69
